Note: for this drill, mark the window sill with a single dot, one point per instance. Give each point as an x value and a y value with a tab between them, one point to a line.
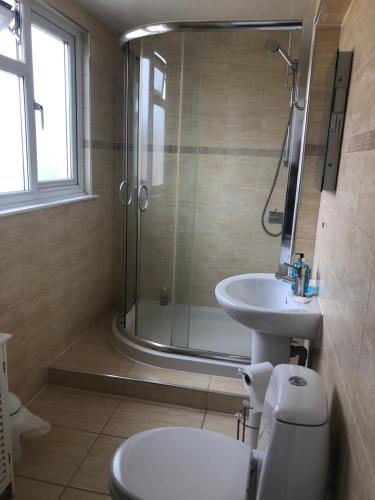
46	203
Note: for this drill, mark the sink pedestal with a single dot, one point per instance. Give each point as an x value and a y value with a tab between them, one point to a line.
270	348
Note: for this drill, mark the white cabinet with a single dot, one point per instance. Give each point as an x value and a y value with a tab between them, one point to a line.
6	465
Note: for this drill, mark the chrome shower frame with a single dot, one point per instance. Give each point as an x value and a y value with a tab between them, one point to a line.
296	151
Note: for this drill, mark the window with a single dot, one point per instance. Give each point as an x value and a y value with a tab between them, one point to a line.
41	115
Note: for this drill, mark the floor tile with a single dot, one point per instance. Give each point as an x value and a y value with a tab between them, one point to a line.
94	358
164	376
226	384
55	456
75	409
100	332
218	422
135	416
29	489
94	471
74	494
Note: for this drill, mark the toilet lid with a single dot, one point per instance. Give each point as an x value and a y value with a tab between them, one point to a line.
177	463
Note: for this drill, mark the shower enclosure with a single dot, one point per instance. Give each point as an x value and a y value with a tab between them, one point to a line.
208	113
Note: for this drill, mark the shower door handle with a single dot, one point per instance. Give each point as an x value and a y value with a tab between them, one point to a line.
121	193
143	197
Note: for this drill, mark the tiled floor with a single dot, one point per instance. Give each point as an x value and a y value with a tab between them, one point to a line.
72	461
94	353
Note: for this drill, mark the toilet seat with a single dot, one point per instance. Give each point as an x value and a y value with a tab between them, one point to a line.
179	463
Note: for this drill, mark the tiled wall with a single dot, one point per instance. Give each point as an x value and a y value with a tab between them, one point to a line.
345	262
56	264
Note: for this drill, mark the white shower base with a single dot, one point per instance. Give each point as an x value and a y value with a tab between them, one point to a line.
195	327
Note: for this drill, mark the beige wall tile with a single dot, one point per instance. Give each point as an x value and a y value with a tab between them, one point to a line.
345	262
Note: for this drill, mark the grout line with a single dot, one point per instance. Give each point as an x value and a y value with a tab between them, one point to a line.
39	393
38	480
204	419
62	493
80	488
84	458
111	415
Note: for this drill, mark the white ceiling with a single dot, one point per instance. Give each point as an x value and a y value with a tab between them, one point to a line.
123	14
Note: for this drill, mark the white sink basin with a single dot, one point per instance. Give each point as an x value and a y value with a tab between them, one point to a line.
267	305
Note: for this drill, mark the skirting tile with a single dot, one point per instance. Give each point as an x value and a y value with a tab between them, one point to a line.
142	389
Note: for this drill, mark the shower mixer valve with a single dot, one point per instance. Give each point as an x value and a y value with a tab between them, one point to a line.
299	277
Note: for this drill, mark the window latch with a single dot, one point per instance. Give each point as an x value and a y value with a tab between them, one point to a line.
39	107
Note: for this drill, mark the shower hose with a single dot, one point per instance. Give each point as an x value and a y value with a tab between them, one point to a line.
277	172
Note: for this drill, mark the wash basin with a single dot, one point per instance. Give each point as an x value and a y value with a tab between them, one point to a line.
267	305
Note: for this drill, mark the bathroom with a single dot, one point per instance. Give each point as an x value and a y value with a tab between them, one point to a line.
159	152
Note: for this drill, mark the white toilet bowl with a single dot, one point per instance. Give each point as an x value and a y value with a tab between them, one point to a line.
177	463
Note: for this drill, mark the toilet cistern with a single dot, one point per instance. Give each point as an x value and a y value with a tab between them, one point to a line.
291	456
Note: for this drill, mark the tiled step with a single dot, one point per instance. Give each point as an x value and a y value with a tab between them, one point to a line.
93	364
203	399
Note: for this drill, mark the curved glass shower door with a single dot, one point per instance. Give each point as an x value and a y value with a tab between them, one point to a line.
158	178
212	112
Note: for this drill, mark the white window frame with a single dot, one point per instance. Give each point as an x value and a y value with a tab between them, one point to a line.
47	192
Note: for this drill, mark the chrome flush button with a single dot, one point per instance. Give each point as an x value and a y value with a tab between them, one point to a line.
297	381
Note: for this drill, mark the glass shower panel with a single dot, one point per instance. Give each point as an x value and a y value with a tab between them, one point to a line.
132	186
213	111
186	192
160	74
235	108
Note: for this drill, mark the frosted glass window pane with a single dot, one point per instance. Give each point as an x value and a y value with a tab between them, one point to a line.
8	42
12	134
52	91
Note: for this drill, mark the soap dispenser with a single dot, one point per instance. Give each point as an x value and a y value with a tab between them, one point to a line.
300	265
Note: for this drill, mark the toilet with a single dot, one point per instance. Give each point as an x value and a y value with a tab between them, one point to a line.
290	462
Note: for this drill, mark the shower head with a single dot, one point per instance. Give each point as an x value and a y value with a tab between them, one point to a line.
274	47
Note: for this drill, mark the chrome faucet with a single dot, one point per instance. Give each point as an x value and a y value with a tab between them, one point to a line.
300	279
